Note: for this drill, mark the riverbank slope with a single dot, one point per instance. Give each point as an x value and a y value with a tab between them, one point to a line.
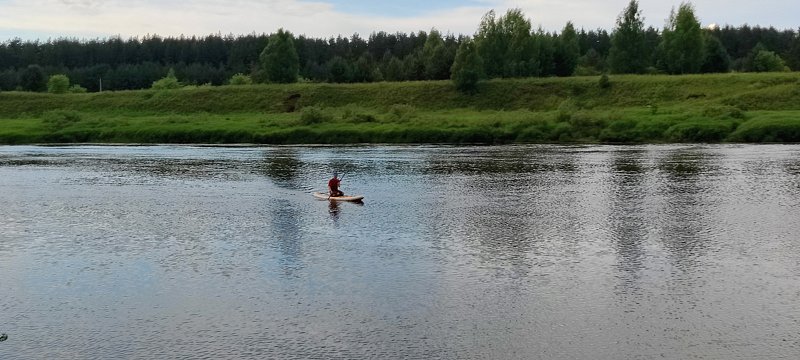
632	108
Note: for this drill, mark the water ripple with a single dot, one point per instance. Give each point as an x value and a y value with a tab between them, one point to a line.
175	252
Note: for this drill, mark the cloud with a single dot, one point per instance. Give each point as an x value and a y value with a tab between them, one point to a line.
81	3
169	17
590	14
321	18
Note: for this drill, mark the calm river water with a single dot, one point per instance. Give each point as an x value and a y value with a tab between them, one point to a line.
517	252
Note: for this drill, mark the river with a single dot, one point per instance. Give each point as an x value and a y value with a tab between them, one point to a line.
507	252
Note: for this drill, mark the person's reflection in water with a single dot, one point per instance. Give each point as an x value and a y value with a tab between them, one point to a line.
333	209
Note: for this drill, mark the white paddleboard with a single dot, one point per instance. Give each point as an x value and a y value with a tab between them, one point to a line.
324	196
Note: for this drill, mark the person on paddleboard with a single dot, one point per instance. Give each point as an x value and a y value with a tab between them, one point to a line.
333	186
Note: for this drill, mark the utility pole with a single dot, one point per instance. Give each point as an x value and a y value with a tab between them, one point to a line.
101	84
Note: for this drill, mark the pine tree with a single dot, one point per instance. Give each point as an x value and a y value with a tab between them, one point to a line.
717	59
434	56
546	53
32	79
339	70
363	69
567	52
393	70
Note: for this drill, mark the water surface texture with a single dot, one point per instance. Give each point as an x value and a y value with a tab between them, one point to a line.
518	252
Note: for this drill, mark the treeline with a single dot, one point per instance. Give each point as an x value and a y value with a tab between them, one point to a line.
506	46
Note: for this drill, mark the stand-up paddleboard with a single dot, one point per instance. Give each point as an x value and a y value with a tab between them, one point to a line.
324	196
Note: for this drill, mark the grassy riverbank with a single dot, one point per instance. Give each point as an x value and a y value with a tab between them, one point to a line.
696	108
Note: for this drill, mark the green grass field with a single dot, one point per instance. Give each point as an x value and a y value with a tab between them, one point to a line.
635	109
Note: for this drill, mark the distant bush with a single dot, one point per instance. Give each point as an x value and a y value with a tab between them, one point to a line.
635	131
652	130
537	133
355	114
778	130
587	124
240	79
168	82
768	61
59	119
586	71
604	82
314	115
362	118
562	132
699	131
723	112
58	84
652	70
77	89
401	112
566	109
620	131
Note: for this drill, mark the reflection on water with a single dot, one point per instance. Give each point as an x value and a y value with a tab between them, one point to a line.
282	166
458	252
626	215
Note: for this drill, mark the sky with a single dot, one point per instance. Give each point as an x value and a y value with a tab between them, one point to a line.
50	19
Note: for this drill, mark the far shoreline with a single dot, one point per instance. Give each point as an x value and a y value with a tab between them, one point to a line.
633	109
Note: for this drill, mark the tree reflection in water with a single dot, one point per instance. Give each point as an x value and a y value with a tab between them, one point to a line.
283	166
682	219
627	217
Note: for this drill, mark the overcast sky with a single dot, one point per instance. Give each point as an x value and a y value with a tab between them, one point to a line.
43	19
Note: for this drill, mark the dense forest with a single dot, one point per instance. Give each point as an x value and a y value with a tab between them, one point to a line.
505	46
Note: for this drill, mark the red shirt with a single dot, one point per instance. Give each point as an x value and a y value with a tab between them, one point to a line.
334	184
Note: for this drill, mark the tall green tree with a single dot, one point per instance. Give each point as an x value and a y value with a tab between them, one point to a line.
567	52
468	67
793	53
279	59
590	64
339	70
520	53
717	59
491	45
414	66
364	69
434	56
393	70
545	53
628	48
682	48
507	45
32	79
